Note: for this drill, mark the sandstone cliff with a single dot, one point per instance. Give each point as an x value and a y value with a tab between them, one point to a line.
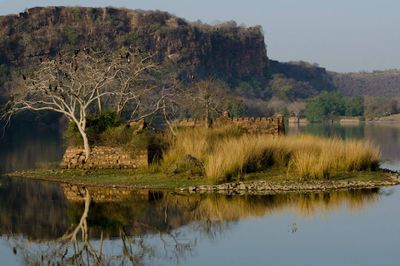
225	51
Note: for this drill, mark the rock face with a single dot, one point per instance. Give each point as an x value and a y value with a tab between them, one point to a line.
103	158
198	50
317	77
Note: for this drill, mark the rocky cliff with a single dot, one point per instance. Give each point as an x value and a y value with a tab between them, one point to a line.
225	51
228	52
317	77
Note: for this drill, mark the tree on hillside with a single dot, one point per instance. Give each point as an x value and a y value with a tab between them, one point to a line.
77	85
208	99
290	89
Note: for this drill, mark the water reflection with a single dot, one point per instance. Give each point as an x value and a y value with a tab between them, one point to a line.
31	142
163	228
36	210
36	216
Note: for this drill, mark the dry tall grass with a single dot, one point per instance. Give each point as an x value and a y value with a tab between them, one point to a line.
227	153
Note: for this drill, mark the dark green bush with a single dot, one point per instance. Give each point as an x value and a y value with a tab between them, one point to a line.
108	129
116	136
95	126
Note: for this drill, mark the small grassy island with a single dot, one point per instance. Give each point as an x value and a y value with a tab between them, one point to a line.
136	120
226	159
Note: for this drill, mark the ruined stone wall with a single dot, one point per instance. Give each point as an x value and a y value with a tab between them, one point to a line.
253	125
103	157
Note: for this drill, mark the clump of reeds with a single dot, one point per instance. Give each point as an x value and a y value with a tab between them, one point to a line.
227	153
197	142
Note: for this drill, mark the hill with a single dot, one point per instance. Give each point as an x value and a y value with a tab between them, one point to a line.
227	51
376	83
234	54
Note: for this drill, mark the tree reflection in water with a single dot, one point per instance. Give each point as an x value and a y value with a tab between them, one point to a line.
76	247
143	228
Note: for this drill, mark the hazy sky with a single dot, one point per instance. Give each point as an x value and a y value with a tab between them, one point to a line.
341	35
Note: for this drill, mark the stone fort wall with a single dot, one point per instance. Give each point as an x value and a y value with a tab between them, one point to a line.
102	157
253	125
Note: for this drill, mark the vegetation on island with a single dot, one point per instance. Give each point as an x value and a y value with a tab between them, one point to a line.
226	154
125	74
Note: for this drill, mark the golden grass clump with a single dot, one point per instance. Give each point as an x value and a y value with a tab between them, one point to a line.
198	142
227	153
320	157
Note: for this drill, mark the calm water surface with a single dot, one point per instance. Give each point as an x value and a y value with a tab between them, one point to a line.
357	227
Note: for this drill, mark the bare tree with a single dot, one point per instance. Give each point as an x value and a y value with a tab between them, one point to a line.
146	88
76	248
81	83
172	101
71	84
136	83
210	96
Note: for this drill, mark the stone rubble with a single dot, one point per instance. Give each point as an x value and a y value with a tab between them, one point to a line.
265	187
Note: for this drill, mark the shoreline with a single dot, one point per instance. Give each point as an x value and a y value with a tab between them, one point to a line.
262	187
261	184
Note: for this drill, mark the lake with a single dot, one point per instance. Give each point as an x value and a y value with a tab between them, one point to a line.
355	227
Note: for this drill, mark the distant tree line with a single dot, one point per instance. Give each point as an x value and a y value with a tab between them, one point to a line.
330	105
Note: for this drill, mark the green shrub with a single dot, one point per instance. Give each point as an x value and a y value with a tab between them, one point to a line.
108	129
140	141
116	136
72	135
95	126
134	141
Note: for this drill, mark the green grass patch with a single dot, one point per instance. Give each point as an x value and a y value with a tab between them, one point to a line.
280	175
140	178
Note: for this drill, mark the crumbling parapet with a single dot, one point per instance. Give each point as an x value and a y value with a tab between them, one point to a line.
253	125
103	157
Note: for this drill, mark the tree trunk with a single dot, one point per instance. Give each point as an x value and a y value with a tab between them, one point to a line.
99	102
207	115
86	145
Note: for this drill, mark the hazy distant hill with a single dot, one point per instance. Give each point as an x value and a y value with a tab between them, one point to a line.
377	83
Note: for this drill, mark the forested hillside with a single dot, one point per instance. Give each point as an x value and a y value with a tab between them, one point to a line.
377	83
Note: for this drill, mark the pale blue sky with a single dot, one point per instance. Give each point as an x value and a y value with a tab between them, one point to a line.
341	35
